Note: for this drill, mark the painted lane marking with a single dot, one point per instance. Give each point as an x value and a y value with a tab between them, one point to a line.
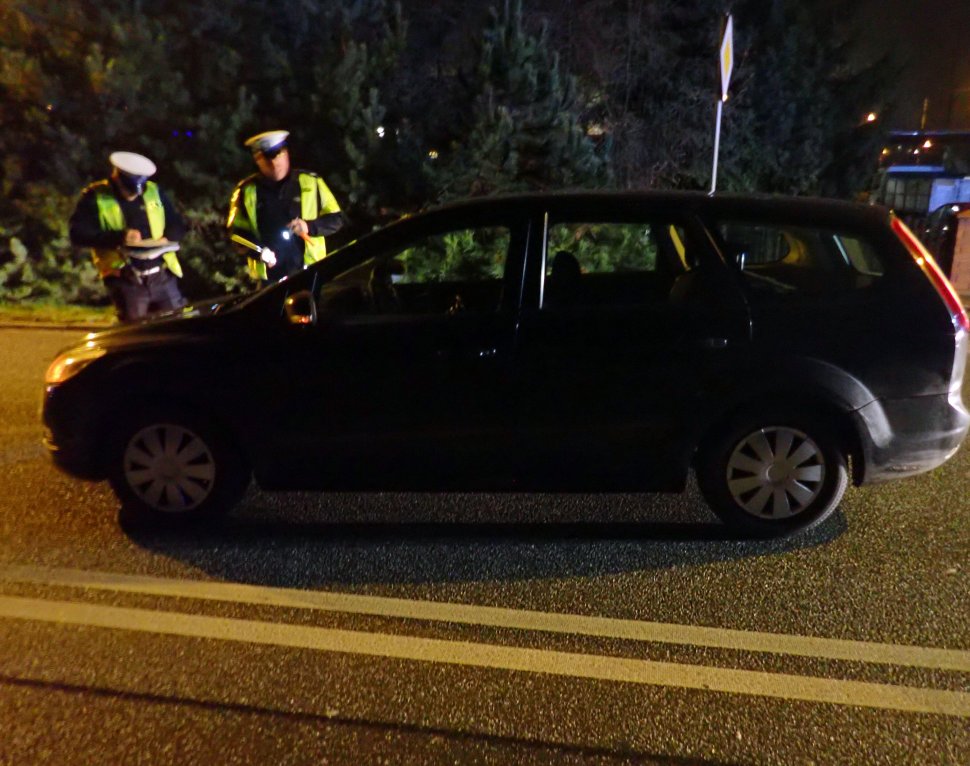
465	653
497	617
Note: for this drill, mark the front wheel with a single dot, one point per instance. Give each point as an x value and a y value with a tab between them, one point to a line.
169	466
773	476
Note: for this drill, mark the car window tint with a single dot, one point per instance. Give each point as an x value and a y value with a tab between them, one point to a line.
442	273
618	264
606	247
465	255
777	259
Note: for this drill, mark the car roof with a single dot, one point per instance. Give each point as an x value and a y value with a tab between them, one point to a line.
763	206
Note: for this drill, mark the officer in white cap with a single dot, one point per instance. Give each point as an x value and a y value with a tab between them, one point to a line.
132	228
282	214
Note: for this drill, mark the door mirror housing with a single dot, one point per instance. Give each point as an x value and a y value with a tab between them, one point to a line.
300	308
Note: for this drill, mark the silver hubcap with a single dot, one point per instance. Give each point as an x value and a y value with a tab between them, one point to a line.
169	468
776	472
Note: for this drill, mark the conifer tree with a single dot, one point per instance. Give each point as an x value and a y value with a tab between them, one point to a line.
353	83
799	100
518	127
396	119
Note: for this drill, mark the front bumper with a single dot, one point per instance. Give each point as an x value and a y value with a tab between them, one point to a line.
72	436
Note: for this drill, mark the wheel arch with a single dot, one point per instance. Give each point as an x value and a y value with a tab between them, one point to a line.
159	390
804	386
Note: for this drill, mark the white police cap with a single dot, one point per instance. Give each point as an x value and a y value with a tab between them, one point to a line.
136	165
266	142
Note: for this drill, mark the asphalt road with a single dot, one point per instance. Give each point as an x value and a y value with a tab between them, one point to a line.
425	628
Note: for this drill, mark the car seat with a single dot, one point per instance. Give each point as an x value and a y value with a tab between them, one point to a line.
565	281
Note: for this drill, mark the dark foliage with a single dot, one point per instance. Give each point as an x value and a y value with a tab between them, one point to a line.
399	109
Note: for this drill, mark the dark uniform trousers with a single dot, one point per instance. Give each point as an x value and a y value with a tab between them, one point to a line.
136	296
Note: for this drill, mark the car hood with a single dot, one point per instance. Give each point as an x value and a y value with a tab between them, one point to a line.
192	324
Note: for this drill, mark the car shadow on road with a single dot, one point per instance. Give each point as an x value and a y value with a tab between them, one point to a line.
309	540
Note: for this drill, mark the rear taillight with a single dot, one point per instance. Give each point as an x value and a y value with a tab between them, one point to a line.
933	272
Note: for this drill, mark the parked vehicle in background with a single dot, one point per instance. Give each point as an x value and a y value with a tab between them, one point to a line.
920	170
947	226
781	347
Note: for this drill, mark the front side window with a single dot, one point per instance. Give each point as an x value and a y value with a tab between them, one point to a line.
783	259
461	256
612	264
442	273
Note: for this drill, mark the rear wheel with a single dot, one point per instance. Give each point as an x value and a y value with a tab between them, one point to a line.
170	466
773	475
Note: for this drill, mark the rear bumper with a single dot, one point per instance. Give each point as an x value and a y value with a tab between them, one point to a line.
904	437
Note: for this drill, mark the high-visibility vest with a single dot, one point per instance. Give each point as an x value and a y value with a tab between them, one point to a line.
315	200
110	261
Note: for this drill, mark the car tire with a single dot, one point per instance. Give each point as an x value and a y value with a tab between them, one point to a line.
172	467
773	474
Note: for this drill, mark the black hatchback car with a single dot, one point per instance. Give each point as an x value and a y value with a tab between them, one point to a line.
554	342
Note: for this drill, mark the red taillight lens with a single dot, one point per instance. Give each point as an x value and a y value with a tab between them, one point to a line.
926	262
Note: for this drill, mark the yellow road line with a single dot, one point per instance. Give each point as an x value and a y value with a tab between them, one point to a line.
464	653
498	617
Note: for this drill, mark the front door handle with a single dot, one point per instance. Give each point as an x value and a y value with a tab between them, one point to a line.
485	353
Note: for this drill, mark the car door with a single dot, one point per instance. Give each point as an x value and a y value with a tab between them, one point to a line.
402	381
631	335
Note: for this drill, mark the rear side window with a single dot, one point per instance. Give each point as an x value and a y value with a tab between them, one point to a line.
779	259
612	263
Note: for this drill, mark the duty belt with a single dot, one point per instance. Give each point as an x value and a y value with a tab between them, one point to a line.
145	267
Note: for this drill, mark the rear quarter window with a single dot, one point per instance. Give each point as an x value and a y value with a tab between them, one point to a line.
781	259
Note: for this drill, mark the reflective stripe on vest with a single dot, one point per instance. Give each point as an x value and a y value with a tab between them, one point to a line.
112	219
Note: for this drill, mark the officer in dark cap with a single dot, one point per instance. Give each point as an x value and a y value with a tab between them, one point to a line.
281	216
133	230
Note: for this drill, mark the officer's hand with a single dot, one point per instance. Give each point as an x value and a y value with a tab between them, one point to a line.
299	227
132	237
268	257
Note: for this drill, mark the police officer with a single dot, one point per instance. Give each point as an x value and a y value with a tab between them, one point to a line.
286	213
129	223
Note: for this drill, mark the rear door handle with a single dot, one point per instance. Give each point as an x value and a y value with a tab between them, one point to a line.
712	342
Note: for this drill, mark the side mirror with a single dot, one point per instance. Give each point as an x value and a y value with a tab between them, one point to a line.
300	308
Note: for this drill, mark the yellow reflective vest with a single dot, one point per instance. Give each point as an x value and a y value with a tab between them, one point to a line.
109	262
315	200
